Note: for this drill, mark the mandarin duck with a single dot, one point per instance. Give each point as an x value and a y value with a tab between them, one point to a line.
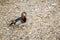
19	20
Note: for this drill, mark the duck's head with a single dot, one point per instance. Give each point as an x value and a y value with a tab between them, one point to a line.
23	16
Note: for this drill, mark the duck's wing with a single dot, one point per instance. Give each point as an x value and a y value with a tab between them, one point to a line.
18	19
18	22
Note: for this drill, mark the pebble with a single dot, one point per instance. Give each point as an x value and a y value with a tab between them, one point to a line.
39	25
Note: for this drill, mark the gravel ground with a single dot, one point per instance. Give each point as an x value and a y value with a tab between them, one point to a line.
43	19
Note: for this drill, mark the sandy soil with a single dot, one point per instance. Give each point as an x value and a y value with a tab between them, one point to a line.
43	19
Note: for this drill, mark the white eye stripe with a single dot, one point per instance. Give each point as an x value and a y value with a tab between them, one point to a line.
24	14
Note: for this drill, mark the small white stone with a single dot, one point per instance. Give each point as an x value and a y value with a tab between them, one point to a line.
54	4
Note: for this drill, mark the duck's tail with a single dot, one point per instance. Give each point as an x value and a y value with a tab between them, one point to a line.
13	23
